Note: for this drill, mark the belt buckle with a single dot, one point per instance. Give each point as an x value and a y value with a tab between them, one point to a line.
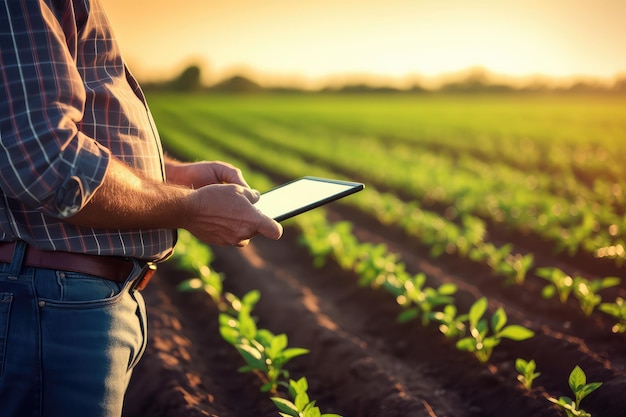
145	275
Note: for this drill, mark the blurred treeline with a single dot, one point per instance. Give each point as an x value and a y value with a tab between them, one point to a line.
474	81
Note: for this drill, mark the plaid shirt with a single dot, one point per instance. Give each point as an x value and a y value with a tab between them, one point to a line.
67	103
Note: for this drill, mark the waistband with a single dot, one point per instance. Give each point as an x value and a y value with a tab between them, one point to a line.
108	267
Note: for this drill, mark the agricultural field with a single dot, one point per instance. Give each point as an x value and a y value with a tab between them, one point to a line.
490	237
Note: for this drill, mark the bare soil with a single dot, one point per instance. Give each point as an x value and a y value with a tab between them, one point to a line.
363	363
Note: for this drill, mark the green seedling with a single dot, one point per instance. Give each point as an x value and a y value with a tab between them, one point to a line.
375	264
262	351
450	324
195	256
586	291
559	282
480	342
345	246
301	406
421	301
490	254
617	310
475	231
527	372
580	388
518	265
314	236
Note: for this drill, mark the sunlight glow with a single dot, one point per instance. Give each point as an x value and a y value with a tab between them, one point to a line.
311	39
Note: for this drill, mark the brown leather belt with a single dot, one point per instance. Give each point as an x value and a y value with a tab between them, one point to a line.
107	267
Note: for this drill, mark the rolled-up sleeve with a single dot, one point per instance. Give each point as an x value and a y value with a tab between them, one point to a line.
45	161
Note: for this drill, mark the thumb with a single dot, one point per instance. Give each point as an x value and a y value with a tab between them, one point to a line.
270	228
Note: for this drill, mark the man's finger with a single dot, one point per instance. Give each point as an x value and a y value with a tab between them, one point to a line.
252	195
271	228
230	174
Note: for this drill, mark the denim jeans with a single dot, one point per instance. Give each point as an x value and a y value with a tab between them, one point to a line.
68	342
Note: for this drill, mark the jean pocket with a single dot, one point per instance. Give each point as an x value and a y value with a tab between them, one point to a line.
5	308
85	288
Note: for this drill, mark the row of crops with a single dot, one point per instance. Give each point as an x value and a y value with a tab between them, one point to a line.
578	210
451	183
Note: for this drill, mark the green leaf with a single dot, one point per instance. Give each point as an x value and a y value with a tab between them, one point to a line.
521	365
312	412
278	343
481	327
588	389
227	320
577	379
548	291
467	344
296	387
267	387
408	315
252	356
247	326
447	289
251	298
477	310
611	309
230	335
264	337
310	405
498	320
301	401
516	332
490	342
256	344
608	282
291	353
286	406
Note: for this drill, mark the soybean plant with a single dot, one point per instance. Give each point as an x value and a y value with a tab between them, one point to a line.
580	388
423	299
191	255
527	372
586	291
559	282
301	406
480	343
450	324
261	349
616	309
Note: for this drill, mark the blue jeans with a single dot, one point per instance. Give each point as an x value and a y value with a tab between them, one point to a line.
68	342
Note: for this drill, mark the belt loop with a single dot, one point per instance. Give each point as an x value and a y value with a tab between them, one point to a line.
18	257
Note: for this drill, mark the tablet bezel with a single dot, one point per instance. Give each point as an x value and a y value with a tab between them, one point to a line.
354	187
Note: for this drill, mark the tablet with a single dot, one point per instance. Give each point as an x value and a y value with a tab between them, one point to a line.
303	194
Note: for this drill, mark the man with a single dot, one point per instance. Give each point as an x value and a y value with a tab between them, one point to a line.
86	200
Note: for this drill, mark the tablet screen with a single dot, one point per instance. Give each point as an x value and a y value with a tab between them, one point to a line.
303	194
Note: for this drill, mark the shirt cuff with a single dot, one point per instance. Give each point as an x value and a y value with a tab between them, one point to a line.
85	177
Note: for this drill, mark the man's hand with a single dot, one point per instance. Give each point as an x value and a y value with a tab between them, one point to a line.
224	215
222	199
198	174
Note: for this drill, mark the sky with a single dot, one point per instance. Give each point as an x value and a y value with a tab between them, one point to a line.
313	41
